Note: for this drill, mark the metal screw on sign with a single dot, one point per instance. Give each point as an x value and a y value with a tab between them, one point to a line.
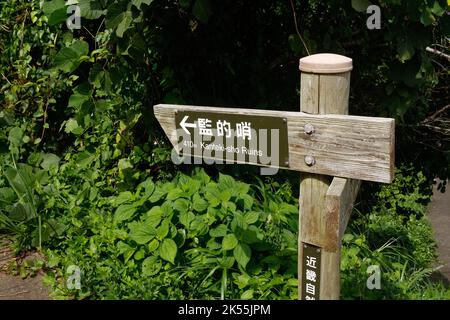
309	128
310	161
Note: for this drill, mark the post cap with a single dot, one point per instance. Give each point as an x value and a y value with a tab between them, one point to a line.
326	63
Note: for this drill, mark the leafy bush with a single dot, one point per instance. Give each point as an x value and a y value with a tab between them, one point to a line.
396	236
189	238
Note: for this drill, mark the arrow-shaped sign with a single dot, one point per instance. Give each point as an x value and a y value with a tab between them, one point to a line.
185	125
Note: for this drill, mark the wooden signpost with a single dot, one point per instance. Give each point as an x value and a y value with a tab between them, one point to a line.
322	141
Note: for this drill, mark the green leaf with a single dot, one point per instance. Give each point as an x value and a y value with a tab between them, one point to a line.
124	212
229	242
90	9
123	197
138	3
151	266
251	217
361	5
126	250
15	136
76	100
154	216
202	10
405	50
175	194
73	127
50	160
55	11
242	254
157	195
153	245
141	232
247	295
219	231
199	204
163	230
118	18
168	250
186	218
437	9
181	205
427	17
68	58
124	24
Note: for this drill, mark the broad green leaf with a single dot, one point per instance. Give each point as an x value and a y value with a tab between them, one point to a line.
50	160
157	195
229	242
55	11
199	204
437	9
90	9
22	181
213	245
15	136
151	266
202	10
149	187
186	217
168	250
76	100
154	216
247	295
242	253
139	255
181	205
361	5
219	231
138	3
175	194
73	127
124	212
85	159
126	250
124	24
123	197
251	217
68	58
141	232
427	17
153	245
163	229
7	195
226	182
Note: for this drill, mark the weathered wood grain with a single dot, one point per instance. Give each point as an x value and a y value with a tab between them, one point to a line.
343	146
340	197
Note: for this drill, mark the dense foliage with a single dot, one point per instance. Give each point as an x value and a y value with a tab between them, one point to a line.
86	174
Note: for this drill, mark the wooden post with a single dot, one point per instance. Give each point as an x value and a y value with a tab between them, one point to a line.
325	87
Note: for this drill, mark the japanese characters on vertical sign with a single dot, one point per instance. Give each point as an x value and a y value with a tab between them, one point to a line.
311	272
231	138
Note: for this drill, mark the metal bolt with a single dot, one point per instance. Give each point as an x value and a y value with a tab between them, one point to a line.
176	112
309	160
284	120
286	163
309	128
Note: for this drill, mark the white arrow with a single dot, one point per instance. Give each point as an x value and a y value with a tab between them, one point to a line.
185	125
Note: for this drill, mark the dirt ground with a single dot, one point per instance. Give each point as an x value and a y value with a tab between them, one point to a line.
439	215
14	287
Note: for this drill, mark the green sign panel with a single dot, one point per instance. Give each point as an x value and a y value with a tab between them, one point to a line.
233	138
